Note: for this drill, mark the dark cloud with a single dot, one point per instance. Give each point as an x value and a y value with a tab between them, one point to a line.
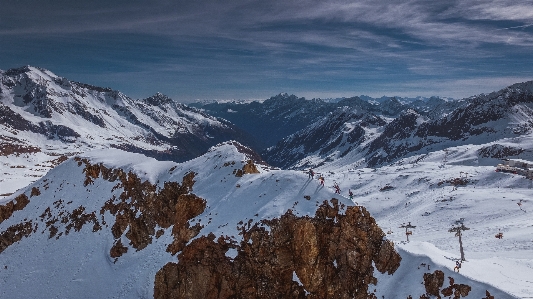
230	48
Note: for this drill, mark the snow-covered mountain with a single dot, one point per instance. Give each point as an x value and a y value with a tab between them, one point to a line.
339	133
101	218
113	224
419	129
270	120
44	117
282	115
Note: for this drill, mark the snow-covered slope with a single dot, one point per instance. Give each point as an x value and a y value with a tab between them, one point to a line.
43	117
104	225
427	191
436	125
334	136
280	116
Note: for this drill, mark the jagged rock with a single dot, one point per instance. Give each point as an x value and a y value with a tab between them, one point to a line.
433	282
248	168
187	207
35	192
172	205
331	254
204	263
499	151
14	234
457	290
118	249
7	210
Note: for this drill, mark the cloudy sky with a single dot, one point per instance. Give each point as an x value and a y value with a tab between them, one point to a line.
254	49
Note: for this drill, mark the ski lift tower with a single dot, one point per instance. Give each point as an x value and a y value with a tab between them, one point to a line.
457	230
445	159
407	232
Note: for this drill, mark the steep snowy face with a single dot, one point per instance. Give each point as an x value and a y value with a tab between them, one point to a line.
482	119
332	137
50	115
417	129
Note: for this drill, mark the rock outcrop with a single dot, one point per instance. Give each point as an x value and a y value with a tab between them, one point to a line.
172	205
8	209
139	209
330	255
434	282
248	168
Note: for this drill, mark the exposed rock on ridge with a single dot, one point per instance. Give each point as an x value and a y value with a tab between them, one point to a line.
330	255
172	205
138	211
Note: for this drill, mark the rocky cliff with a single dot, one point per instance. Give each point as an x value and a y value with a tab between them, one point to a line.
330	255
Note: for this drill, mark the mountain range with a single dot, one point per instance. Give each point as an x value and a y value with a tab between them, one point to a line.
45	117
373	138
105	196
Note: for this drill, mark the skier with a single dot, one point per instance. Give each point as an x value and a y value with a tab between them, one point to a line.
350	193
321	179
311	173
457	266
337	188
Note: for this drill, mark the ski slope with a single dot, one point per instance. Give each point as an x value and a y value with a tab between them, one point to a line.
487	204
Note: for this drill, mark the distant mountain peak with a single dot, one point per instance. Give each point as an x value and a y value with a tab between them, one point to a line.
525	86
158	99
28	69
42	112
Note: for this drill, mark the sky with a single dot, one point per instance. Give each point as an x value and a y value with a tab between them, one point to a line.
248	49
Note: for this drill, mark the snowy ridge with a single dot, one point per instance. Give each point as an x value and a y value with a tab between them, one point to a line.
279	116
67	264
45	116
409	130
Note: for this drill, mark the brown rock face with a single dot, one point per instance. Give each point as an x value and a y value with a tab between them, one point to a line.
172	205
35	192
14	234
488	295
433	282
456	290
248	168
331	254
7	210
209	279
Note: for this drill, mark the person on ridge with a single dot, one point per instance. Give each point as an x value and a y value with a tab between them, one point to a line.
337	188
457	266
321	179
350	193
311	173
